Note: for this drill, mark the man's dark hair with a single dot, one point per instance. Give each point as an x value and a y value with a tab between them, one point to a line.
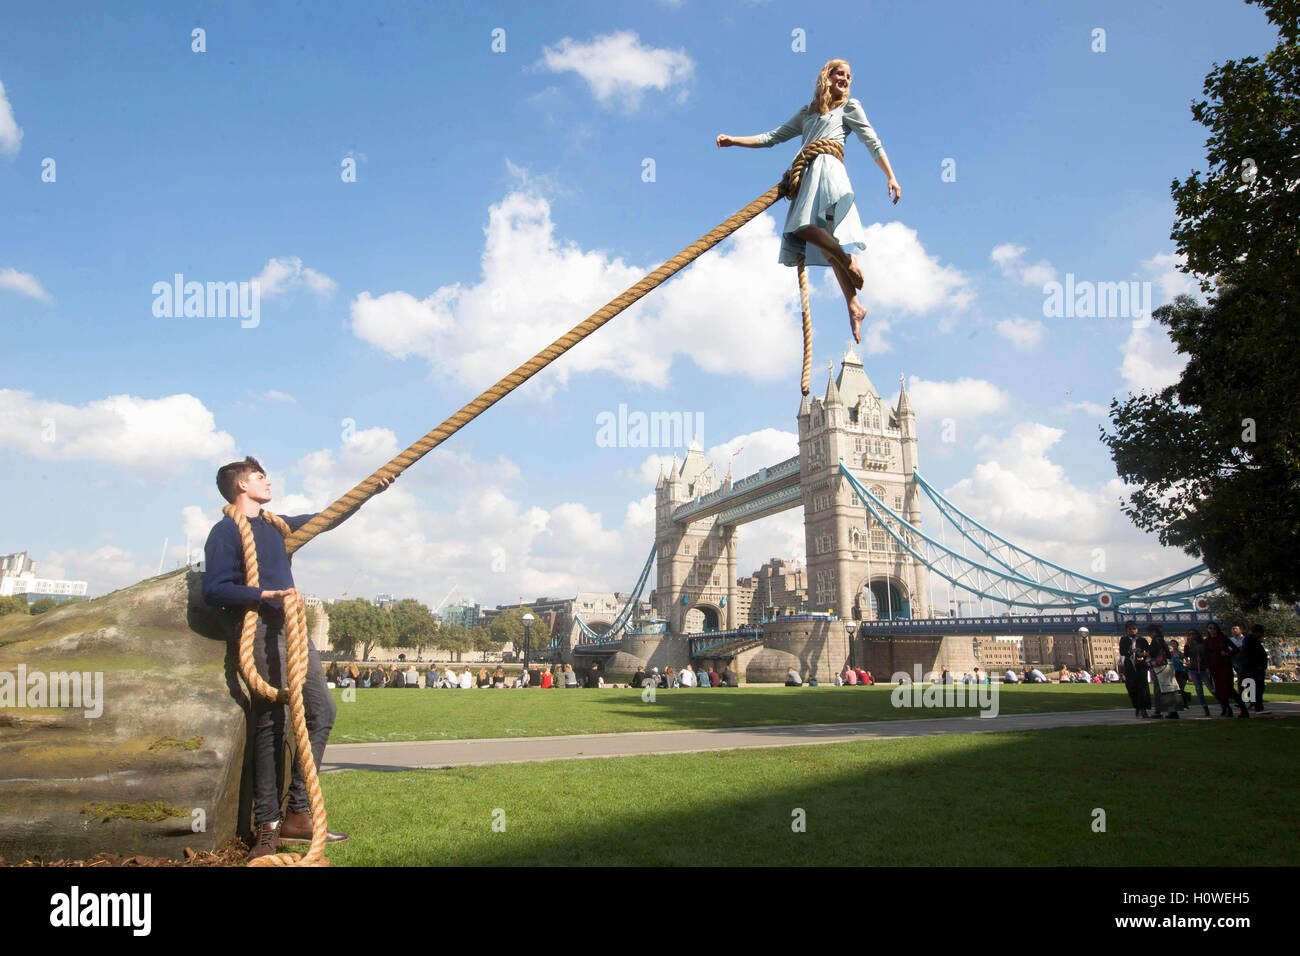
229	476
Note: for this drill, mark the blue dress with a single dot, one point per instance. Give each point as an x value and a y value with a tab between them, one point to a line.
826	196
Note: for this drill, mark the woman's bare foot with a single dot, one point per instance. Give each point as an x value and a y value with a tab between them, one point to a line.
856	314
856	272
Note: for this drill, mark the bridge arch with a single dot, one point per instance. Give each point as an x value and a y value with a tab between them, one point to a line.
887	595
702	617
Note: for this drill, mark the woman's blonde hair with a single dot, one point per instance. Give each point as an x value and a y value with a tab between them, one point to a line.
824	98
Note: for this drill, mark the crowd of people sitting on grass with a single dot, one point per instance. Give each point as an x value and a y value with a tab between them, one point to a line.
700	676
447	677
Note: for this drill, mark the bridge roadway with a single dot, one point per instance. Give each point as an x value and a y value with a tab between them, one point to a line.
991	625
766	492
418	755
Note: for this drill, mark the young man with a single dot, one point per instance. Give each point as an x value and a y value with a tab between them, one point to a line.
245	485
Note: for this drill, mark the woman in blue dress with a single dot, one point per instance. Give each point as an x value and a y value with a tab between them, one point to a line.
822	224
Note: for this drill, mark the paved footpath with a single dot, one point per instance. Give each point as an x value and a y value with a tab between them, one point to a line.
418	754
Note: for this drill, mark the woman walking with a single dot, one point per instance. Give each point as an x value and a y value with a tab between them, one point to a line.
1218	661
1163	676
822	215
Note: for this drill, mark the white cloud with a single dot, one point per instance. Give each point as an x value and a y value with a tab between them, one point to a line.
24	283
11	134
874	341
965	398
104	569
143	435
617	65
1150	360
1169	281
1024	334
1088	408
902	277
534	288
273	395
284	275
1021	494
1007	257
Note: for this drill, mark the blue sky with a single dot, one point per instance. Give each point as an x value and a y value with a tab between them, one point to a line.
499	198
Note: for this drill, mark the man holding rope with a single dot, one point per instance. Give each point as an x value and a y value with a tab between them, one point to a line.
245	485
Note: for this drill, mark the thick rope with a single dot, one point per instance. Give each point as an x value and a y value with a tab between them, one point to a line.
353	499
296	642
807	328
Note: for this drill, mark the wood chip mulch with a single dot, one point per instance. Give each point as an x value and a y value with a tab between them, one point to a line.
234	853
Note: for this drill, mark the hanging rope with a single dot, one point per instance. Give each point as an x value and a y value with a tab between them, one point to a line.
353	499
807	329
295	629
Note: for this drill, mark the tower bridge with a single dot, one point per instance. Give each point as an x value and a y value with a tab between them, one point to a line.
869	559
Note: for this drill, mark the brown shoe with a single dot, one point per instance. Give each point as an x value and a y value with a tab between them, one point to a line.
267	840
297	829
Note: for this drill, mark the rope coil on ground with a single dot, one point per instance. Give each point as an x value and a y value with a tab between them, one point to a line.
296	644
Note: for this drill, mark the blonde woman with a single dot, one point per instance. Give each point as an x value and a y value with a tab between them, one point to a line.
822	224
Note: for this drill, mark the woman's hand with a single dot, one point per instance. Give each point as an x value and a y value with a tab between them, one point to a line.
895	191
725	140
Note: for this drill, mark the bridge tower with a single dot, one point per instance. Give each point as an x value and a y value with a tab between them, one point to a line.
696	562
854	567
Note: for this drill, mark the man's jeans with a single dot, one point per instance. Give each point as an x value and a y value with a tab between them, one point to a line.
271	660
1197	677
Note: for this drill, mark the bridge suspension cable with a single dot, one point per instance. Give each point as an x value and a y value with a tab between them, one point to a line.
1006	577
615	630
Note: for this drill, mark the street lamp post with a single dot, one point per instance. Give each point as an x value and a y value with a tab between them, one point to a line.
850	627
528	633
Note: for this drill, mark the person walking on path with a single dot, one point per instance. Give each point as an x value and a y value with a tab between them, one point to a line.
822	224
1218	661
1194	657
1168	698
1254	667
1133	668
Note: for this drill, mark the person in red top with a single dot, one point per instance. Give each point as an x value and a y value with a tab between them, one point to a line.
862	677
867	678
546	679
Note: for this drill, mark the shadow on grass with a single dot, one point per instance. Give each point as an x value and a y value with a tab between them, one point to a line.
1001	799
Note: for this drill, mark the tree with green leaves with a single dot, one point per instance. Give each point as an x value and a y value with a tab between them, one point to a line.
1280	621
509	626
43	604
358	624
13	605
454	639
416	625
1215	458
482	641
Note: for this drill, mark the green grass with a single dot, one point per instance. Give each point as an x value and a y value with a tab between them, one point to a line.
1000	799
386	715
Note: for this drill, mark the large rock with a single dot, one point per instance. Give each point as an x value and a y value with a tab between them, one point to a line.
172	731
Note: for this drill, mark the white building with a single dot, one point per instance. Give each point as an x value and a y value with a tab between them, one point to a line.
18	576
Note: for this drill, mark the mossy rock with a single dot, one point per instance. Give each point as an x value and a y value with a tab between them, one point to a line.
171	731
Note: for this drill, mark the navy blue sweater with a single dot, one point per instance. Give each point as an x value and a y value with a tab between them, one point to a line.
223	574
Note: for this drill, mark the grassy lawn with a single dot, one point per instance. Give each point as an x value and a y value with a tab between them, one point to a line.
1001	799
384	714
